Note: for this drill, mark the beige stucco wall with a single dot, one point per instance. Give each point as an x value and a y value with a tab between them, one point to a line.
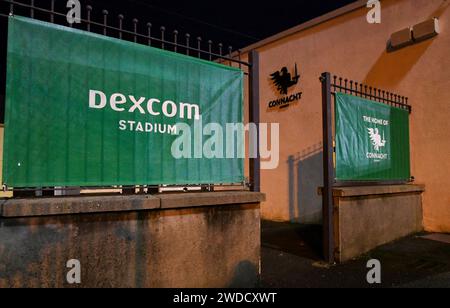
350	47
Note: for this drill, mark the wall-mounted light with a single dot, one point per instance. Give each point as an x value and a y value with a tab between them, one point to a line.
426	30
418	33
401	39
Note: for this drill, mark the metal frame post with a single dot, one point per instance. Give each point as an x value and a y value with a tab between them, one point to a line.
328	170
254	117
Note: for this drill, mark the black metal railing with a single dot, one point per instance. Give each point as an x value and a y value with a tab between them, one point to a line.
348	86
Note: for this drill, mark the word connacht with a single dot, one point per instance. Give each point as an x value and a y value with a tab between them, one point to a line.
285	101
153	106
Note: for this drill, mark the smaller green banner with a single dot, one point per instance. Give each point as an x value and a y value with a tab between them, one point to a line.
372	141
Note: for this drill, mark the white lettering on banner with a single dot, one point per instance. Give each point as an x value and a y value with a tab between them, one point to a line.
146	127
375	121
93	99
377	138
117	99
120	103
377	156
137	104
150	106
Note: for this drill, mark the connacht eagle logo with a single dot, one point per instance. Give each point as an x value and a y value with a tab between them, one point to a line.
376	139
283	79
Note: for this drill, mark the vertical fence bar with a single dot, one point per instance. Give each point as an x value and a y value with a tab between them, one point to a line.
149	33
199	46
52	10
32	9
105	21
135	23
121	18
254	112
328	170
11	9
71	24
210	49
188	37
175	41
240	58
163	30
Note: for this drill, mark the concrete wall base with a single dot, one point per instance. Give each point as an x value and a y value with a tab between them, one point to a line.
367	217
188	240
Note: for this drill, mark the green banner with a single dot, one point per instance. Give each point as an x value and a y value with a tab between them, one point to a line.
372	141
88	110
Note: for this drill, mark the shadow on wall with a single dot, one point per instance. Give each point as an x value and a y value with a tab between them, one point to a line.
305	177
392	67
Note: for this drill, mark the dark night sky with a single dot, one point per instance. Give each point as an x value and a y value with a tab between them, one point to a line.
234	23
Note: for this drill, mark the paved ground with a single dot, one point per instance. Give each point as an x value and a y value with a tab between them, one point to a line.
291	259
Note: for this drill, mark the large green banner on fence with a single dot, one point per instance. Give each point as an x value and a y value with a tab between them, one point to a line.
372	140
87	110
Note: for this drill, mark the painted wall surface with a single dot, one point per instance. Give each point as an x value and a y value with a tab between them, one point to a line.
351	47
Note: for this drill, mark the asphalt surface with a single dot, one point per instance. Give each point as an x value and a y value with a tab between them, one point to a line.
291	258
